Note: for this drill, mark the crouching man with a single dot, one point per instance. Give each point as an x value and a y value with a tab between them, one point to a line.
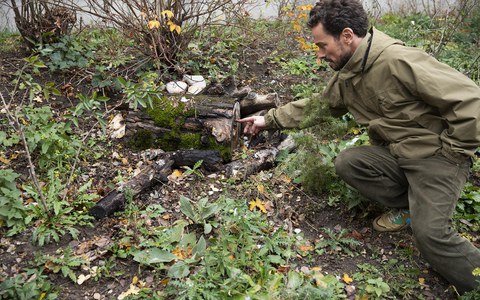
423	122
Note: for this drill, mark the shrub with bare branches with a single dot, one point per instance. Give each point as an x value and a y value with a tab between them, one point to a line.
161	28
40	21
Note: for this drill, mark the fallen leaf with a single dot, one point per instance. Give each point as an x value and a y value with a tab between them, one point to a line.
347	279
175	175
82	278
181	253
421	280
283	269
257	203
305	248
4	160
261	189
133	290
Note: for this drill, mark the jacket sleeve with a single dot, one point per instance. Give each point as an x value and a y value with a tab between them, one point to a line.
456	97
289	115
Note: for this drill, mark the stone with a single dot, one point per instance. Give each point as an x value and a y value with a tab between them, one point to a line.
193	79
176	87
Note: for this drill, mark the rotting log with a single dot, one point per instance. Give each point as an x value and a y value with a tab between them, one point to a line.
157	171
115	200
263	159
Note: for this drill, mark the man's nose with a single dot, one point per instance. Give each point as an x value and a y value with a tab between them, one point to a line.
320	55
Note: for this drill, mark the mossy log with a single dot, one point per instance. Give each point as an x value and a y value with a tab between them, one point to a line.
204	122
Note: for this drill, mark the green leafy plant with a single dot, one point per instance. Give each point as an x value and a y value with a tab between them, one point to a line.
305	66
65	262
370	282
59	217
336	243
201	212
241	260
195	170
27	285
143	93
468	206
67	53
13	213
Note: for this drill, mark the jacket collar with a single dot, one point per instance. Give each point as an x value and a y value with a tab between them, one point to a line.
367	53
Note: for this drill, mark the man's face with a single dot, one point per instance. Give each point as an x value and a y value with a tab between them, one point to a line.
336	52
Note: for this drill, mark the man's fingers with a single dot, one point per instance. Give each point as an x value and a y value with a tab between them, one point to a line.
244	120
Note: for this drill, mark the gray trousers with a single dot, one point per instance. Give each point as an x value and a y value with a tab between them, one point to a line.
430	188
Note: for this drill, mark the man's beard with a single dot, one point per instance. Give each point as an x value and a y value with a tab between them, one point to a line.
342	62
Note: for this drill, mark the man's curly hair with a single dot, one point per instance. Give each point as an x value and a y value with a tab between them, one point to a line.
336	15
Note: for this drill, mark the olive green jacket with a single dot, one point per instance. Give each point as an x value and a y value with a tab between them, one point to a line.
409	101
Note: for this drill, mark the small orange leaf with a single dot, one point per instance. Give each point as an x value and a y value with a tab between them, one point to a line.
181	253
176	174
347	278
305	248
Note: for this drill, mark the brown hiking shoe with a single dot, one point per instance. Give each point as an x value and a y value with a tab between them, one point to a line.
393	220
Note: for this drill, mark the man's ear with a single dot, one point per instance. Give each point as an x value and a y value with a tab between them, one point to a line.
347	35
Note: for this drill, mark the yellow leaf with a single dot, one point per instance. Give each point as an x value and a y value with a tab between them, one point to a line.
174	27
305	7
261	189
258	204
133	290
347	278
297	27
4	160
153	24
177	173
167	13
178	29
134	280
421	280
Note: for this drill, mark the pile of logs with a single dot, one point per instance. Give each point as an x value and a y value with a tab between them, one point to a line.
215	112
213	117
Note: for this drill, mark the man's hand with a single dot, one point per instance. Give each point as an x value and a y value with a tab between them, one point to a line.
253	125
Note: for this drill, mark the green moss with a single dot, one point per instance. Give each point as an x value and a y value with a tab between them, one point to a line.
190	141
169	113
143	139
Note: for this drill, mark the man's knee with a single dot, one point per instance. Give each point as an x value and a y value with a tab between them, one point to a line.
343	163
